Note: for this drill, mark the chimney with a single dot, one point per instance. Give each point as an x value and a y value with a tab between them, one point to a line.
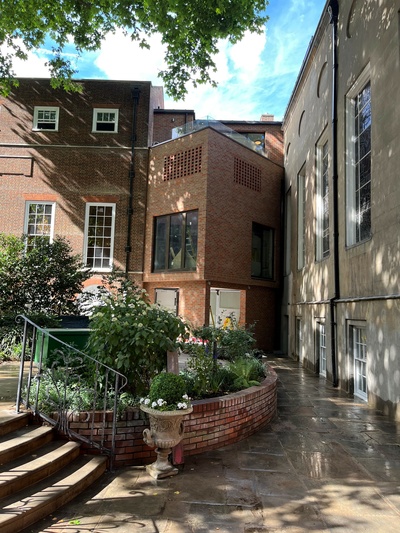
267	118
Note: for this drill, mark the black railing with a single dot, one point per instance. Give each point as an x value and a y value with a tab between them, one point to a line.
69	389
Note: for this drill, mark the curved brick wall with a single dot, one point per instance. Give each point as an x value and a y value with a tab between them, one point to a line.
213	423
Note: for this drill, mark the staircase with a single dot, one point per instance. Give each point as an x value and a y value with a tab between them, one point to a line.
38	472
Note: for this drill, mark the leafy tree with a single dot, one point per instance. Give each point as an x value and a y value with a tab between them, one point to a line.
189	29
42	279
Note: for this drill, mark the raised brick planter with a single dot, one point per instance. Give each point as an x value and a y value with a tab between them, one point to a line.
213	423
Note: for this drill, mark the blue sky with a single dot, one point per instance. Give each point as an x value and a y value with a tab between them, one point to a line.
255	76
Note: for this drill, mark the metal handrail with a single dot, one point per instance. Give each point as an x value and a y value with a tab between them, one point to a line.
65	373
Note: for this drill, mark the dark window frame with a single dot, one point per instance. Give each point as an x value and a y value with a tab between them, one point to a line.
180	249
258	231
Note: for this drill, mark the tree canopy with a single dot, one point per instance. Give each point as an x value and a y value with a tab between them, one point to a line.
190	29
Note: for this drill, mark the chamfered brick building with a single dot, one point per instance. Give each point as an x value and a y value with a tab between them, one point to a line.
192	216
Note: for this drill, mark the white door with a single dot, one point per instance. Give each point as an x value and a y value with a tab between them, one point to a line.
224	303
322	350
360	362
168	298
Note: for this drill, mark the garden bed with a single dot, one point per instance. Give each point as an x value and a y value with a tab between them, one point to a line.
214	423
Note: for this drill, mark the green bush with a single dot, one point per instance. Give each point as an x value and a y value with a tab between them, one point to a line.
171	388
228	342
248	371
42	279
133	336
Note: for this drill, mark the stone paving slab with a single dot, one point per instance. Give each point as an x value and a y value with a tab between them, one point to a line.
326	464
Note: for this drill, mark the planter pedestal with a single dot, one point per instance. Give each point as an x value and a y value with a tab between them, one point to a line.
166	431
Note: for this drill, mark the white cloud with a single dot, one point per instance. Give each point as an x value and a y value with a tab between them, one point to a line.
121	58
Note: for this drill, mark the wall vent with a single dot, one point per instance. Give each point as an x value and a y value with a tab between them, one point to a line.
247	175
182	164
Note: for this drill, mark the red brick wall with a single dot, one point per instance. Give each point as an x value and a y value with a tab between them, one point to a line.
74	163
226	211
212	424
165	120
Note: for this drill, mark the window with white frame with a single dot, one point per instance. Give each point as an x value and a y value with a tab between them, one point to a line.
99	236
46	118
358	347
321	347
358	163
301	216
322	200
105	120
39	221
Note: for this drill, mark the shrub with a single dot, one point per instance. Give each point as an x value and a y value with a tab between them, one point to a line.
248	371
41	279
168	392
228	342
133	336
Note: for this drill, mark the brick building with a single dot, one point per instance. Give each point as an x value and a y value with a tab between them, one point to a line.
213	225
110	169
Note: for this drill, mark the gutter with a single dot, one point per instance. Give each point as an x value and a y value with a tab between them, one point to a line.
333	10
128	247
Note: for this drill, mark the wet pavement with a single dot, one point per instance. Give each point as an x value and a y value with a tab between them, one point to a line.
327	463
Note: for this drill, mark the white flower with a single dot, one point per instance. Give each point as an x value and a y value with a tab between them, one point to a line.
141	400
182	405
161	402
185	397
147	401
154	404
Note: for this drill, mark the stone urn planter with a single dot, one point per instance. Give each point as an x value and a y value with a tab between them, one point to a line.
166	431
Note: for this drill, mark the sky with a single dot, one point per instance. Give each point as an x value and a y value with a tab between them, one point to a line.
255	76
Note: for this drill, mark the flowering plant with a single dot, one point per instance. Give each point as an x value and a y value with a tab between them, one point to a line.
167	393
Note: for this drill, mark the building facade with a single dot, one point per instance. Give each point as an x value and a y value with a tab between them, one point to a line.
76	164
109	169
341	305
213	229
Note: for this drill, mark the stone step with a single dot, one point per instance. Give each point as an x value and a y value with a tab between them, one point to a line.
34	467
23	441
27	507
11	421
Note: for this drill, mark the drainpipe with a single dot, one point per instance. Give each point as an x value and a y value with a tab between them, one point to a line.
128	247
333	10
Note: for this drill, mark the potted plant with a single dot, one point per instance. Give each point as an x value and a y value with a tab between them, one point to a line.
166	406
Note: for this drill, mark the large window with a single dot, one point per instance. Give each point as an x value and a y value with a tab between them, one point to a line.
322	202
301	218
262	252
39	221
45	118
359	161
99	236
105	120
175	241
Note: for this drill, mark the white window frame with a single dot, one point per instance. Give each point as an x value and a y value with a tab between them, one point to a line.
301	218
98	110
358	350
321	347
351	208
26	220
37	121
320	253
86	239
